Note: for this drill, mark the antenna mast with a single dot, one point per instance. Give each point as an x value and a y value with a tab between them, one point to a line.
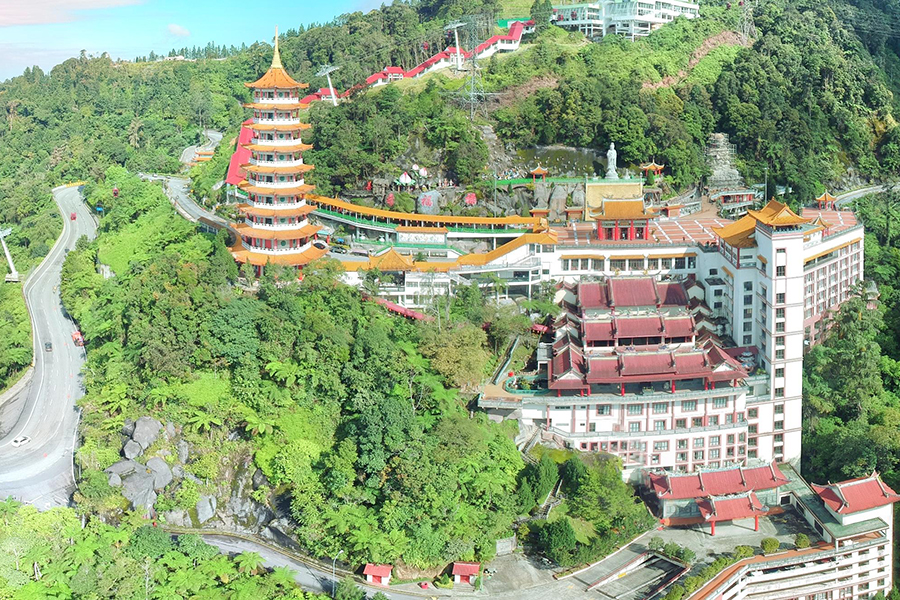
327	70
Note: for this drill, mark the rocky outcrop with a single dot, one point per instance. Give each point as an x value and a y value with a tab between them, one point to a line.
132	449
146	431
162	474
206	508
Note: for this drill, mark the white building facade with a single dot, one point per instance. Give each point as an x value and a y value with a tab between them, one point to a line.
627	18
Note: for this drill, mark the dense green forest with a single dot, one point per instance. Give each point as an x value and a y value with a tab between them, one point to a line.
60	554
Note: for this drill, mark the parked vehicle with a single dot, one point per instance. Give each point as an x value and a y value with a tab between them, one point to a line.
339	250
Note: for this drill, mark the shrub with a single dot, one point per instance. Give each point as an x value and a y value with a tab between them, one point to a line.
656	544
676	592
687	555
769	545
801	541
693	583
741	552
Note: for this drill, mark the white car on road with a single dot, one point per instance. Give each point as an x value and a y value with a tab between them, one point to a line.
20	441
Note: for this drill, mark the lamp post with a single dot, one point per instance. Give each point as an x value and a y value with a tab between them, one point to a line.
333	578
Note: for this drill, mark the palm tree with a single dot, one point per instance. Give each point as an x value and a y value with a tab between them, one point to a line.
219	567
249	562
283	577
134	133
257	425
285	372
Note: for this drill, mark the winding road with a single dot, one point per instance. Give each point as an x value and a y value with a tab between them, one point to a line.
41	472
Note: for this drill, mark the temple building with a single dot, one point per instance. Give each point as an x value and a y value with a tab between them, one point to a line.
276	227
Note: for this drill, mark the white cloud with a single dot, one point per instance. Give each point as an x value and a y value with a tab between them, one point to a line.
178	30
36	12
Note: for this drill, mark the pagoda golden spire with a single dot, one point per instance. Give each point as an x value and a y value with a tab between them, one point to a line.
276	56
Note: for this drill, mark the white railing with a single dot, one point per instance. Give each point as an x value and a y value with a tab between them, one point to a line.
278	205
276	142
277	226
274	251
276	163
285	101
275	185
262	121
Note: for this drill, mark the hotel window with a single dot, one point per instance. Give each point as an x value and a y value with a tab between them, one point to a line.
652	263
714	440
779	313
717	305
730	438
688	405
660	407
697	422
779	409
779	438
661	446
698	442
752	442
604	409
593	427
679	263
780	271
698	455
616	264
779	327
748	299
659	425
714	420
635	409
748	313
779	340
681	444
779	372
714	453
680	423
748	286
779	354
748	326
748	339
665	263
634	426
751	454
779	425
741	437
752	428
720	402
729	419
779	392
681	457
654	460
718	292
779	298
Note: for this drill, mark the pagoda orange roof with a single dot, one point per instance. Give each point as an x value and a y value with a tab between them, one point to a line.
776	214
248	168
826	197
285	106
275	234
391	261
279	126
652	165
291	191
738	234
249	209
539	171
621	209
276	76
299	147
294	259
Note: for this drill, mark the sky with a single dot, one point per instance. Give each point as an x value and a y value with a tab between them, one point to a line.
47	32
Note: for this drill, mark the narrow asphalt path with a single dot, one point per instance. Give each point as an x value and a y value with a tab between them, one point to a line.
847	197
41	472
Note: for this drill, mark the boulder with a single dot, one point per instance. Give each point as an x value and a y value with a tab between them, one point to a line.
429	203
128	427
178	472
206	508
132	449
557	203
114	480
170	430
162	474
146	430
184	451
123	467
177	518
259	479
578	196
138	488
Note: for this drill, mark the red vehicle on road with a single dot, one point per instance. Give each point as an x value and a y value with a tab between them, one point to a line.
78	338
73	216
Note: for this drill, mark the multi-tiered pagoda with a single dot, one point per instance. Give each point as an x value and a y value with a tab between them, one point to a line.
276	227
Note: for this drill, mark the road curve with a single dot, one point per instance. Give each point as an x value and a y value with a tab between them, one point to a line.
847	197
40	472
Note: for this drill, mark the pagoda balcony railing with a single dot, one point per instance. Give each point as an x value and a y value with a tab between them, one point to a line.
276	163
277	226
275	185
274	251
647	433
286	101
262	121
275	142
277	205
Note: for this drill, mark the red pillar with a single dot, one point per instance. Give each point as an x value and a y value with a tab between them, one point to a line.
673	386
631	230
616	231
755	522
713	525
601	233
623	388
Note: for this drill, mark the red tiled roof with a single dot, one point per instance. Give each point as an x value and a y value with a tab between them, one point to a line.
736	480
598	331
679	326
730	508
463	568
378	570
647	364
602	368
592	295
856	495
567	360
671	294
640	291
631	327
241	156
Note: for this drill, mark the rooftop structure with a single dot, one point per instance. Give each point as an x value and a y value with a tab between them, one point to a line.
631	19
276	226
